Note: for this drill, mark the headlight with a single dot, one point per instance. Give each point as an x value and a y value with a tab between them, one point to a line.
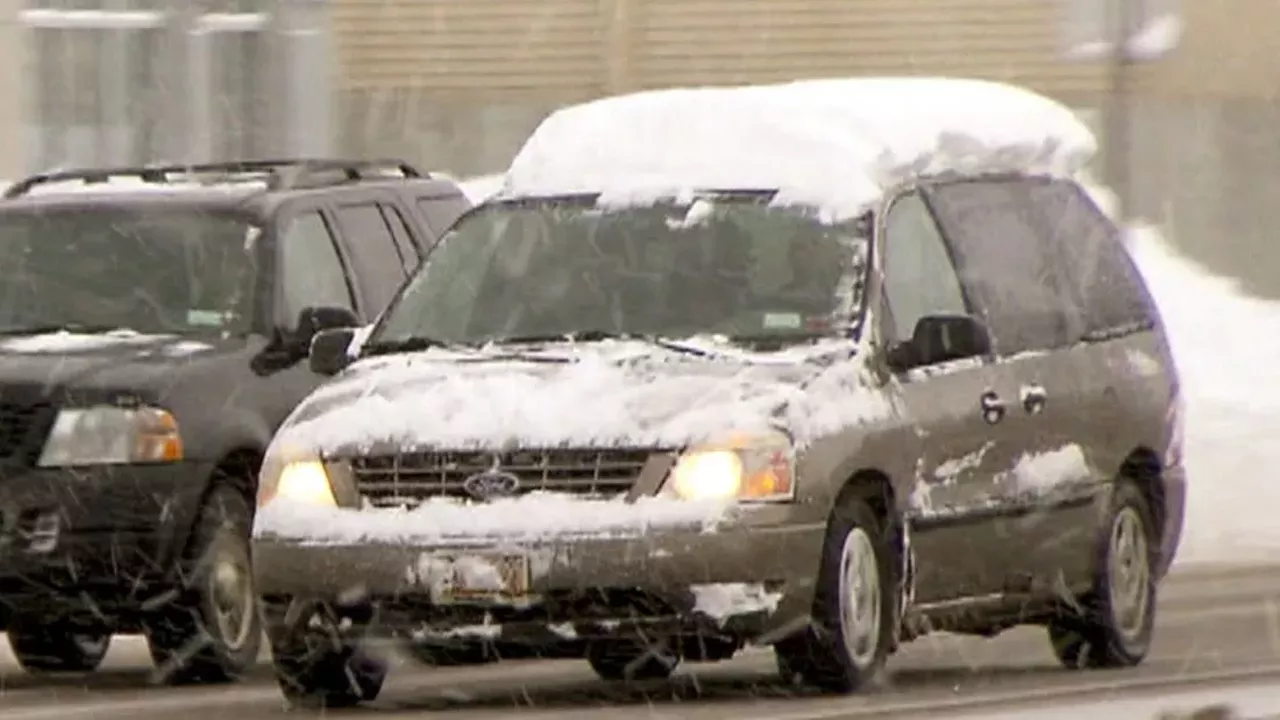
106	435
746	467
301	481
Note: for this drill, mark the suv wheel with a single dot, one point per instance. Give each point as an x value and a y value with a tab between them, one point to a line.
58	648
632	660
211	632
316	667
854	608
1115	620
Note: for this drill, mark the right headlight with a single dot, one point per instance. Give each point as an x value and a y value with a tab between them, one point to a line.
303	480
751	467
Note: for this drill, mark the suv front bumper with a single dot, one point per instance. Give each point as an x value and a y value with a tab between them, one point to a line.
96	536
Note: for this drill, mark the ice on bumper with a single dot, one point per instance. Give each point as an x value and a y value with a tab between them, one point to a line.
528	519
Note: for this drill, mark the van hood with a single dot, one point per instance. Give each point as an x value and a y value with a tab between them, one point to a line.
593	398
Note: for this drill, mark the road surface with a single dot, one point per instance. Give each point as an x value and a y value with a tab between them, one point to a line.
1218	631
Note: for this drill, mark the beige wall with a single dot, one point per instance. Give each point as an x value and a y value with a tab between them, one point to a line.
458	85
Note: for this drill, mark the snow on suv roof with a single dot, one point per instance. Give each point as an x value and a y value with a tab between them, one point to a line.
836	144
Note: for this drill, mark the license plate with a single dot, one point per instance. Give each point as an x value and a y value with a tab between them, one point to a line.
482	577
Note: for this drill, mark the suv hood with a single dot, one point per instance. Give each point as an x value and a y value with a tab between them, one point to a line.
65	362
595	399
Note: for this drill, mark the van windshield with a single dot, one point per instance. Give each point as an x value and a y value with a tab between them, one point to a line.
731	266
159	270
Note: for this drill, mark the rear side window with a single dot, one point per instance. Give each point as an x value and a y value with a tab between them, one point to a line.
373	253
1007	270
442	211
1103	280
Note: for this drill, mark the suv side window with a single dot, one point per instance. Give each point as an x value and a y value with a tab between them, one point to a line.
442	211
311	272
1007	270
373	252
919	278
1103	279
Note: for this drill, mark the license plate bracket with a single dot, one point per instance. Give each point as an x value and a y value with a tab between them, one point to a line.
479	577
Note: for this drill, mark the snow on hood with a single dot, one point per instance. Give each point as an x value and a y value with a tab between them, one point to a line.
833	144
603	398
63	342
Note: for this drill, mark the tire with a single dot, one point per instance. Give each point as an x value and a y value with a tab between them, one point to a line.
317	670
847	646
58	648
631	660
211	632
1114	622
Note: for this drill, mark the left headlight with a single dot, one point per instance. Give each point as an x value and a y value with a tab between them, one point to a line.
109	435
304	480
742	467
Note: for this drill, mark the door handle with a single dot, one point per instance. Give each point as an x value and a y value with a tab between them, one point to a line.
993	408
1034	399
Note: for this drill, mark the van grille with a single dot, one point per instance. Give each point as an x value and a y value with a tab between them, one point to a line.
410	478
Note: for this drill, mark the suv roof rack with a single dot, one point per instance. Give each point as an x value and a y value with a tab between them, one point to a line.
278	174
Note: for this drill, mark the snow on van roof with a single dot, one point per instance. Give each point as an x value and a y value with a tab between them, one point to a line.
835	144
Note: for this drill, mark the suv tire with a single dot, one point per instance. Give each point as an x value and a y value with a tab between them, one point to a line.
316	666
212	631
58	648
855	606
1114	622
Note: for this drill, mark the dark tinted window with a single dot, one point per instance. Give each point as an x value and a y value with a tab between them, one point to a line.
311	271
409	255
1010	274
919	279
1103	280
377	261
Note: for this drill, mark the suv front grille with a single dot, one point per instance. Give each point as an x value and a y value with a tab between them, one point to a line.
413	477
23	428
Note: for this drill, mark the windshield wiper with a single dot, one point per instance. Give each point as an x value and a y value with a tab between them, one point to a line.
60	327
410	344
599	335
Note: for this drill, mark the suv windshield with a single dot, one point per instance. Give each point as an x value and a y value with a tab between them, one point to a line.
724	265
161	270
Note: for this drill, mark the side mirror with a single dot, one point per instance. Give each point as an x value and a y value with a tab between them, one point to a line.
314	319
328	355
938	339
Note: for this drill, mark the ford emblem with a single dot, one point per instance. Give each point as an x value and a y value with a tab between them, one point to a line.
491	484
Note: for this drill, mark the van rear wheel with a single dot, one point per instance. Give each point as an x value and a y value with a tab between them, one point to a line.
1114	622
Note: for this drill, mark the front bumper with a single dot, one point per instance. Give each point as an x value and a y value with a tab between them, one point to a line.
108	532
745	581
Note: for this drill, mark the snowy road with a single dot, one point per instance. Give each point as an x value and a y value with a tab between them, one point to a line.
1219	628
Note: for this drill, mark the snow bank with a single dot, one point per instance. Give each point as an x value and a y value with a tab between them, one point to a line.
834	144
608	395
69	342
1225	343
526	519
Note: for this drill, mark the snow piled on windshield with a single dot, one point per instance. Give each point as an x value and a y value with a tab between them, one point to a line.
832	144
605	397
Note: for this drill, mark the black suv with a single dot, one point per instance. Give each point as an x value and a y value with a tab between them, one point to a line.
153	324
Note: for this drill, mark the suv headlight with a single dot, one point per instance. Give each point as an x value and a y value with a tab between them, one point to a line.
741	467
109	435
303	480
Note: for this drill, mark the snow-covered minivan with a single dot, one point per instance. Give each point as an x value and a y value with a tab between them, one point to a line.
823	366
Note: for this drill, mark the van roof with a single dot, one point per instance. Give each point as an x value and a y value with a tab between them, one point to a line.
836	144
